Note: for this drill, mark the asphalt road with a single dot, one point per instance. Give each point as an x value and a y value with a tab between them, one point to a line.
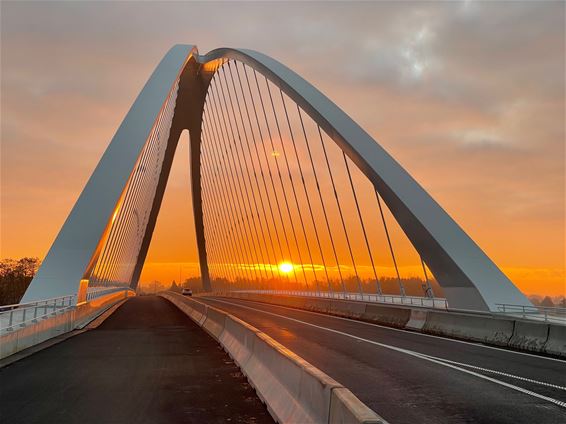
408	377
147	363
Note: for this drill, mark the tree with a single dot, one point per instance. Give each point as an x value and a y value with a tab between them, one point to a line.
15	276
547	301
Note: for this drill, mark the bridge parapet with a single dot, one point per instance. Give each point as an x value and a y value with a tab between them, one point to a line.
511	331
28	324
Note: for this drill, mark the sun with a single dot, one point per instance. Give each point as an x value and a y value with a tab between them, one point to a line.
285	267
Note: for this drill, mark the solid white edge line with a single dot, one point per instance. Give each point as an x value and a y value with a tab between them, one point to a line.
433	359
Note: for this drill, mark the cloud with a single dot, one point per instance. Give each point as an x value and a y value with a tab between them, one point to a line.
468	96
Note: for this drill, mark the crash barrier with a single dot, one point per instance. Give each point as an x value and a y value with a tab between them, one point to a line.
506	331
293	390
47	327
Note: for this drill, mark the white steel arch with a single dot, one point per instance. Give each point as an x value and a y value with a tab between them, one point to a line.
469	279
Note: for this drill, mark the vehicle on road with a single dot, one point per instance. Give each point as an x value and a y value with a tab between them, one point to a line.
187	292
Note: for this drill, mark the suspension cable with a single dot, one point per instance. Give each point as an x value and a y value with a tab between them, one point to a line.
214	163
243	216
295	192
263	177
283	187
265	216
309	202
428	292
256	208
340	212
224	147
214	210
325	215
271	175
253	211
378	284
401	286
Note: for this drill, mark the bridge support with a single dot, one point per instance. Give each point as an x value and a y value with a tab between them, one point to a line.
106	237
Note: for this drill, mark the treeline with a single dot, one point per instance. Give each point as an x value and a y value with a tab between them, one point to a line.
547	301
15	276
194	283
413	286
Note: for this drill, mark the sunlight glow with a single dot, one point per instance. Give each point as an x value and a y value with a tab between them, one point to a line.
285	267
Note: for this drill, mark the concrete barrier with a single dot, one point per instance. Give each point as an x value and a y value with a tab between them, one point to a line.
388	315
318	305
283	382
529	336
214	322
383	314
238	338
396	316
417	319
481	328
345	308
345	408
55	325
33	334
556	342
496	330
198	313
293	390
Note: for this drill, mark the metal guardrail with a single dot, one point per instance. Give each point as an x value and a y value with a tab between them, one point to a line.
541	313
19	315
94	292
13	317
425	302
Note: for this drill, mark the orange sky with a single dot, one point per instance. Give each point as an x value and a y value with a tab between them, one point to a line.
465	99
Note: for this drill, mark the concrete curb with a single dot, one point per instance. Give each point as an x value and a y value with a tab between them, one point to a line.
293	390
515	333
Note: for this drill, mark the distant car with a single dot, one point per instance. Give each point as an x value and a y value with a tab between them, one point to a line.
187	292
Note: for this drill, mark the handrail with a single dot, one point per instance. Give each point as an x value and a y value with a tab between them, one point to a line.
19	305
424	302
19	315
546	313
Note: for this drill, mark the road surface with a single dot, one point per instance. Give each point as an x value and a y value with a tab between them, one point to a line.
408	377
147	363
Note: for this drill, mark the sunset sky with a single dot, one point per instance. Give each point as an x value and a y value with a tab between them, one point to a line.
468	96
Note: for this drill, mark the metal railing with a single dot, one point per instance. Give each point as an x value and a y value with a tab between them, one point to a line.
19	315
425	302
542	313
13	317
95	292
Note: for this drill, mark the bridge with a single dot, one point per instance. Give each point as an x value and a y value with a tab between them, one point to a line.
297	210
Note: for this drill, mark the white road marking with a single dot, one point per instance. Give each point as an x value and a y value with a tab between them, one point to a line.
439	361
416	333
516	377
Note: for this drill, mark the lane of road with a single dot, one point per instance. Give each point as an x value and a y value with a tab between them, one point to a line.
410	377
147	363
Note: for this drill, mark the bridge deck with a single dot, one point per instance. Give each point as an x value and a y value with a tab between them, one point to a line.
146	363
406	377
